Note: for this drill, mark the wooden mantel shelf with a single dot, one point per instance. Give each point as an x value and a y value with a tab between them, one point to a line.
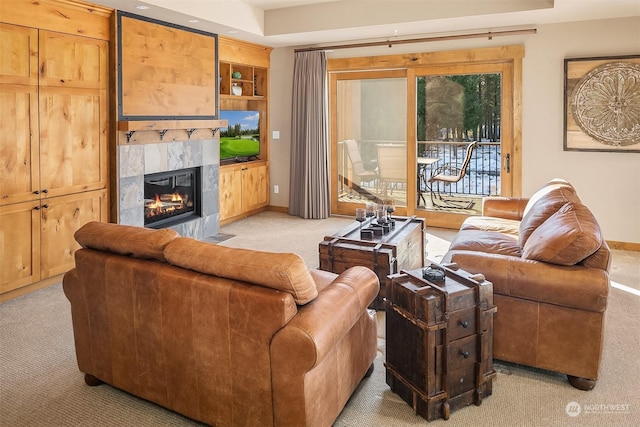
160	125
164	126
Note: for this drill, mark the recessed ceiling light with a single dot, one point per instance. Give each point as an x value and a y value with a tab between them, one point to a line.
232	31
193	21
142	7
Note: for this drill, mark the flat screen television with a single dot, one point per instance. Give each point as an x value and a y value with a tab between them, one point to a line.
240	140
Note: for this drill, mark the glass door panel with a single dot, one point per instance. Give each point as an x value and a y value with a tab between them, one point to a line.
370	133
458	139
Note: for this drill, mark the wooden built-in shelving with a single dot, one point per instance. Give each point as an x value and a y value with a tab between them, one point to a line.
244	187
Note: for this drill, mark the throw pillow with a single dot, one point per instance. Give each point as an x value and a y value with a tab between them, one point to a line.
566	238
544	203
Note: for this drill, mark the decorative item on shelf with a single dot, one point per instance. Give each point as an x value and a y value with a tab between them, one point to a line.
236	90
236	75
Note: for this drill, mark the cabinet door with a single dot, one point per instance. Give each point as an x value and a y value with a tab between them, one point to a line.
255	187
73	113
18	55
61	217
230	191
73	61
73	140
19	245
19	148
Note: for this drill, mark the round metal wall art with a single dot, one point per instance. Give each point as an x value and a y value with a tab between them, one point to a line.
606	103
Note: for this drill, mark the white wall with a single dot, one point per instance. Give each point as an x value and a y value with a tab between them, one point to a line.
280	92
609	183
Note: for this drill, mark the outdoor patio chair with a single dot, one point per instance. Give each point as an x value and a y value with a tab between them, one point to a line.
392	166
362	171
447	174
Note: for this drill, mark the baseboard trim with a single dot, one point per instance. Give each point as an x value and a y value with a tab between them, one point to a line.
281	209
30	288
624	246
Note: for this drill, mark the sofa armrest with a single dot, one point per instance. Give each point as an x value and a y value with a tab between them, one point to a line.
576	287
504	207
321	355
306	340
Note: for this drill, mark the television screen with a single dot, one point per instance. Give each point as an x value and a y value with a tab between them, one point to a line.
241	138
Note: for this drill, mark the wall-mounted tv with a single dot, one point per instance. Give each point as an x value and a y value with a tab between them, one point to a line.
240	140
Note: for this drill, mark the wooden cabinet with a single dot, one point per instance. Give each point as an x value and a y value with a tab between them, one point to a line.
36	238
53	146
244	188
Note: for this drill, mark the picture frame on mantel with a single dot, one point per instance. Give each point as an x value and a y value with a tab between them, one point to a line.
602	104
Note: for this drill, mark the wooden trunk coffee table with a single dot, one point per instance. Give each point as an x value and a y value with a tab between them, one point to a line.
402	248
439	340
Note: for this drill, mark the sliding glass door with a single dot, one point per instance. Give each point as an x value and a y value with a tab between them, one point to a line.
436	132
458	138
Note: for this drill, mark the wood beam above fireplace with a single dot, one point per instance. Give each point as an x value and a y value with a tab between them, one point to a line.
155	130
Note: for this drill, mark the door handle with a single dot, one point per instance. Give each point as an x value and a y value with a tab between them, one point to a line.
508	162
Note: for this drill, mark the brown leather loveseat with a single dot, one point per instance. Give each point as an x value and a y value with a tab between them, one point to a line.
549	266
225	336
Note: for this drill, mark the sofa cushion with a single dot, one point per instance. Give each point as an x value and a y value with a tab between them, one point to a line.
283	271
491	242
544	203
490	223
125	240
569	236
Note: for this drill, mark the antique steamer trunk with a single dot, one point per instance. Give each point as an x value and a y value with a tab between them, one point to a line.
439	340
400	249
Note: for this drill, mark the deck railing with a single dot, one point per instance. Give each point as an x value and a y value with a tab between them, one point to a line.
483	175
481	179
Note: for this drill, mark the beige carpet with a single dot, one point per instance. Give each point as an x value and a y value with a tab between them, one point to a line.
40	384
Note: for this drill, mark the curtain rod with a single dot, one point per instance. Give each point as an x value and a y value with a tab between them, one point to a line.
490	35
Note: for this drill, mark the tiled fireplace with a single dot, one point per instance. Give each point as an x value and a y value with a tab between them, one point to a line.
171	197
169	164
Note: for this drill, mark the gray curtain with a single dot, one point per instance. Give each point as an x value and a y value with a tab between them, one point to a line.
309	186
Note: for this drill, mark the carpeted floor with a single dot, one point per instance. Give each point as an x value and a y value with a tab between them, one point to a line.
40	384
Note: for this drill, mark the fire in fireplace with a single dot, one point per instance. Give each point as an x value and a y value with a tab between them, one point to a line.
171	197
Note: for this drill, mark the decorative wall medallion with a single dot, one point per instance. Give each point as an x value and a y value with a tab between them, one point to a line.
606	103
602	104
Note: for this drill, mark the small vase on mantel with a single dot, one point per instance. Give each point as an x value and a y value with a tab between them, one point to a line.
235	89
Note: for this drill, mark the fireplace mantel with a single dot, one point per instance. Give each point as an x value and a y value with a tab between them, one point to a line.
161	127
136	125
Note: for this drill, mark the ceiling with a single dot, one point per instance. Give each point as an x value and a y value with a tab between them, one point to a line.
279	23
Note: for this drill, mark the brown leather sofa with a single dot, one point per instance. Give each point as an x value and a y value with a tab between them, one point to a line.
549	266
228	337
